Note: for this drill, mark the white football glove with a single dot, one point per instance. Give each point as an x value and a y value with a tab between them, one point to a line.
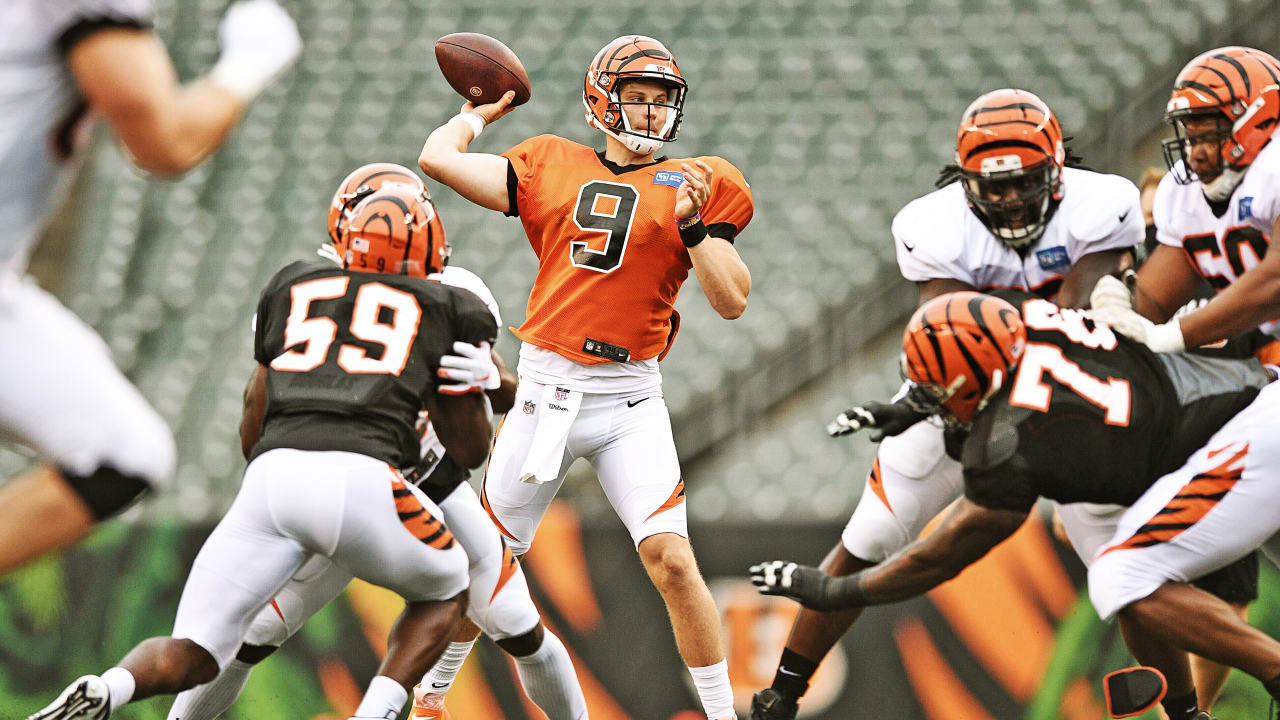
470	370
259	42
1111	303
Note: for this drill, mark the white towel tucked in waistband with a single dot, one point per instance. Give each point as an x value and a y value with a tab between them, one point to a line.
556	412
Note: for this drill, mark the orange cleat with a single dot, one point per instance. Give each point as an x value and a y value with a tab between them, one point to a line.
428	706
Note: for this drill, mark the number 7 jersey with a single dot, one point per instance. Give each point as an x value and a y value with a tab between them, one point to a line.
352	356
610	262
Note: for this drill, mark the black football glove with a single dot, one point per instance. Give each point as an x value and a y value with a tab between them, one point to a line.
885	419
808	585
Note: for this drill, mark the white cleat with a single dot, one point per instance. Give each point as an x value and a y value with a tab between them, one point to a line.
85	699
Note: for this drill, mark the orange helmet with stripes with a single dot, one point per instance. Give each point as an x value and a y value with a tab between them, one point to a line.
1239	89
958	350
361	183
633	57
395	230
1010	152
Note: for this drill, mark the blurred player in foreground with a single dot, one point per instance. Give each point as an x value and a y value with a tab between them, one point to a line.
62	63
498	600
1011	212
1048	403
347	358
616	233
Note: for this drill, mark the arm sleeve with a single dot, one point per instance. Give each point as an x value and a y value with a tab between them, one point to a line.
80	19
730	206
995	475
923	253
1113	220
1162	212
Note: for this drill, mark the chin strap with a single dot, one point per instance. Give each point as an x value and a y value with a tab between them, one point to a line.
639	145
1220	188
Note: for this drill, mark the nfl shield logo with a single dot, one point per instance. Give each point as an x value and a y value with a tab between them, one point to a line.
528	407
562	394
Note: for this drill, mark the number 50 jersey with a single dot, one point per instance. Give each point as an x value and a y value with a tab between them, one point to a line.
352	356
610	261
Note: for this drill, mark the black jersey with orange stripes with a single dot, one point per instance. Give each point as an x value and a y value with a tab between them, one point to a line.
352	356
610	260
1092	416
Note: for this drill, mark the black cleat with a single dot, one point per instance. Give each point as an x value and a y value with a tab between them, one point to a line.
1134	691
769	704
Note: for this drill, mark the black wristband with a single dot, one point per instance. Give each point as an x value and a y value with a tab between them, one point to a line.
693	233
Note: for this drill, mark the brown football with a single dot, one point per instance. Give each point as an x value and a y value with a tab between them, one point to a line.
481	68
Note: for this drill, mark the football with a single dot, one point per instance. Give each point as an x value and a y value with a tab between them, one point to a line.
481	68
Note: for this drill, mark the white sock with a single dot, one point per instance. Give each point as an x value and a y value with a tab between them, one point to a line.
385	698
548	677
120	686
208	701
441	675
714	689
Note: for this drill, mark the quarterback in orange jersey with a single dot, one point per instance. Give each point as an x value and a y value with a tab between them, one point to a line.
616	233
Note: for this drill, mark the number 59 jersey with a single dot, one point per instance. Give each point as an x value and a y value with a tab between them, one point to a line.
351	356
610	261
1092	416
1223	242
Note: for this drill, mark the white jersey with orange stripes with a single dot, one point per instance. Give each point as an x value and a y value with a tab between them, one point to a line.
1225	242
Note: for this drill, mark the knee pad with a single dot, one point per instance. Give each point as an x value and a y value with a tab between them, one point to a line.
106	491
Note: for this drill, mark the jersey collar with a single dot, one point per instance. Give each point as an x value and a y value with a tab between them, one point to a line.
617	169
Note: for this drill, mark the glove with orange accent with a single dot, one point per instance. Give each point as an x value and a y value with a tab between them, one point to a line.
470	370
810	586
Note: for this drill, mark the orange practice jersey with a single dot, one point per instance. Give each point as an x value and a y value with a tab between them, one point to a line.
610	261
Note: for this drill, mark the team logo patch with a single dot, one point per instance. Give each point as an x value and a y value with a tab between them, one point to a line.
1246	207
528	407
668	177
562	394
1053	257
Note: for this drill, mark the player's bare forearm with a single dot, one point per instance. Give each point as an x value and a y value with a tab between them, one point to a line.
724	278
932	288
967	533
462	424
1166	281
504	396
255	409
1085	273
478	177
127	77
1246	304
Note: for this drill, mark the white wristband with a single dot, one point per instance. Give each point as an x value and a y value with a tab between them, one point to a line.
472	120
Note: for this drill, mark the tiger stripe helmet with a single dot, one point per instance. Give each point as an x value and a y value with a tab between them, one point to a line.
395	230
1010	152
1239	86
959	349
632	57
358	185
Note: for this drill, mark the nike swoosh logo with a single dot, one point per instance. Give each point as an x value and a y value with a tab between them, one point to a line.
437	685
633	403
785	671
1124	215
908	247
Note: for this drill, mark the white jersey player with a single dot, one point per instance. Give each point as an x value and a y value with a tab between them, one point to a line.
1016	218
1216	211
61	63
499	602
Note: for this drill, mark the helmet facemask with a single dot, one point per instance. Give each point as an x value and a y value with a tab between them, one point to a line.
1014	202
616	122
1178	150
